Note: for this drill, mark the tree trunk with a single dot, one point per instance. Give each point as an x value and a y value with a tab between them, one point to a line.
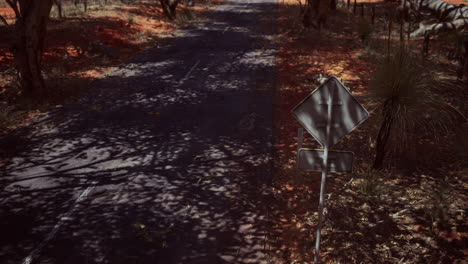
173	8
58	3
315	5
463	60
317	9
384	133
389	36
402	33
31	29
323	8
307	18
333	4
465	65
427	39
408	36
169	8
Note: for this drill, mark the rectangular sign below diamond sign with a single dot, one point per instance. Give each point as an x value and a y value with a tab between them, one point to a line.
312	160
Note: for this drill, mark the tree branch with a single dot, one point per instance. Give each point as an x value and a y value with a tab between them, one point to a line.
14	5
438	27
3	20
449	16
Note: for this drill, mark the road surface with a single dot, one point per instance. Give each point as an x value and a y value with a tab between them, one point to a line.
166	160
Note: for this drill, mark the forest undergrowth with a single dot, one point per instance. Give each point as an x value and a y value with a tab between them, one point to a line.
411	211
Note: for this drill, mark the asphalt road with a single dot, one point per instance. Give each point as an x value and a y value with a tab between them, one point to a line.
166	160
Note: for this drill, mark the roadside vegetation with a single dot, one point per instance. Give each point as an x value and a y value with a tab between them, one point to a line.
405	201
81	41
406	62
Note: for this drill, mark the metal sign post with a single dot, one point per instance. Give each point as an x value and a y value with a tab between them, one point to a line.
300	138
321	205
324	171
327	125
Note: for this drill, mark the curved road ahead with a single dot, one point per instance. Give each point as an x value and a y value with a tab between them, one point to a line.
167	160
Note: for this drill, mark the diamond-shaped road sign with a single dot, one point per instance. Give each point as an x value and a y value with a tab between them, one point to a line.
346	114
312	160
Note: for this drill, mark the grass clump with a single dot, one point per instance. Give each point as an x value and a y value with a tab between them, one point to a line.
184	16
7	115
371	183
437	205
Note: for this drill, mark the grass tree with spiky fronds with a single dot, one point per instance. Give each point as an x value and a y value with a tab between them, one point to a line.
409	107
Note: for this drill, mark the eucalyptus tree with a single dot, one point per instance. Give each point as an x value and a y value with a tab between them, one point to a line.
30	31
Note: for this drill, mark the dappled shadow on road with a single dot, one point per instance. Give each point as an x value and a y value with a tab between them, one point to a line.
167	160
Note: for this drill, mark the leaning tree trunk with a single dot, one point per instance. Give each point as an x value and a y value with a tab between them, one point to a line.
31	29
3	20
449	17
